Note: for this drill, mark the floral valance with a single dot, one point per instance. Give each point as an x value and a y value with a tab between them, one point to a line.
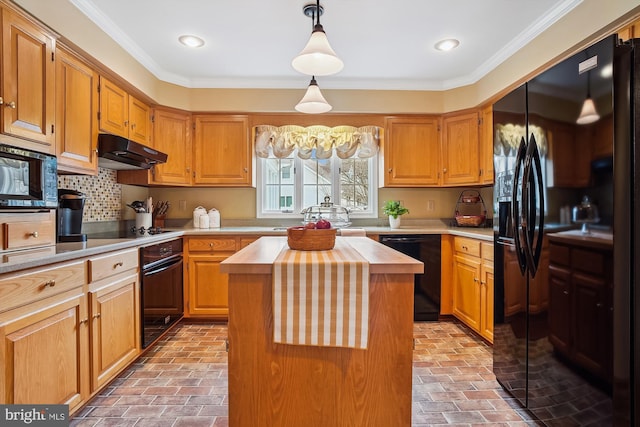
507	138
348	141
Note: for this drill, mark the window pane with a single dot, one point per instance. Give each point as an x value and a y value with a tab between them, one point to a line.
354	184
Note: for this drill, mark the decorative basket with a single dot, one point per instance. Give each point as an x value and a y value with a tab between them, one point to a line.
311	239
470	209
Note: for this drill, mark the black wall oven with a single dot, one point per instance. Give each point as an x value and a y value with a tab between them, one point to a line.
160	288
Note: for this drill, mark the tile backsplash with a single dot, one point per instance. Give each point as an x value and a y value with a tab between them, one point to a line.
103	194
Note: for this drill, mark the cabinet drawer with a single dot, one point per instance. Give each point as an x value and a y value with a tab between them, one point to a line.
27	234
588	261
487	251
467	246
559	254
24	288
112	264
217	244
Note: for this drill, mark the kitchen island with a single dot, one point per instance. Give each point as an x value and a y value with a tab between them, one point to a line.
274	384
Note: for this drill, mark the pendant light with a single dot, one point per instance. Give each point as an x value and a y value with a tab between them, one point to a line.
317	58
313	102
588	113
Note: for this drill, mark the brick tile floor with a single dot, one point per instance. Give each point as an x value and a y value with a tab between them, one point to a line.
182	382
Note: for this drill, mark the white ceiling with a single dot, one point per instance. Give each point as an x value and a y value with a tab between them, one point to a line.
385	44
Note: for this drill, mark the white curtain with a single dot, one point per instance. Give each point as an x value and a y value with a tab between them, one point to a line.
347	141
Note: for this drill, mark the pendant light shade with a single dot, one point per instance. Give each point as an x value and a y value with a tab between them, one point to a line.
317	58
588	113
313	102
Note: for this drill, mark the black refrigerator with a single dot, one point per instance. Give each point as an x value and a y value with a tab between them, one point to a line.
567	239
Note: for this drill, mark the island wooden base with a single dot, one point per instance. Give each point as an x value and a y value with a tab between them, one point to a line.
288	385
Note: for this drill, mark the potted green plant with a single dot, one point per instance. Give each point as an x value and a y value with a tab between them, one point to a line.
394	210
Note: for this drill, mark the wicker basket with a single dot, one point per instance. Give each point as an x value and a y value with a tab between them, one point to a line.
470	220
470	209
310	239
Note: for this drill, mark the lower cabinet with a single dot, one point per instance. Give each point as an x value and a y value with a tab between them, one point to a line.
206	288
581	306
63	337
473	285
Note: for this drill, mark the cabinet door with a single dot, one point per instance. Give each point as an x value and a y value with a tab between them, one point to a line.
460	150
115	328
560	309
139	121
411	152
76	107
172	135
486	145
486	300
208	287
591	334
221	150
28	82
114	109
466	290
45	354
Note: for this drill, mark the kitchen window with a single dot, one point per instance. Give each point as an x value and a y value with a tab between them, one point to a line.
288	185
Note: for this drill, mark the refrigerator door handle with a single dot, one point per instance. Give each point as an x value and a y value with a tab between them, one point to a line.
533	206
516	209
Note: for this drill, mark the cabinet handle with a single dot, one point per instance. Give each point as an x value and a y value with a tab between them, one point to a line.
565	292
96	316
83	321
117	264
211	245
48	284
475	279
133	126
599	305
34	234
465	248
390	169
126	123
246	170
482	282
444	170
12	104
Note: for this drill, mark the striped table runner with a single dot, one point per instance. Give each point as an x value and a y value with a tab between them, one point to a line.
321	297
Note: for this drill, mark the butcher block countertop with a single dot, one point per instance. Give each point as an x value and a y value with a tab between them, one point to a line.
258	257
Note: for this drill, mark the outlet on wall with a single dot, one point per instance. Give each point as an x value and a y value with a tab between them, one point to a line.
182	205
431	205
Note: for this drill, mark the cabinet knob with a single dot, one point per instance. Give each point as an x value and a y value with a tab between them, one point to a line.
83	321
565	292
444	170
390	169
246	170
96	316
34	234
48	284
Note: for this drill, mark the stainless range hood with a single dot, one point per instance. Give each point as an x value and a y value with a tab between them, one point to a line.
116	152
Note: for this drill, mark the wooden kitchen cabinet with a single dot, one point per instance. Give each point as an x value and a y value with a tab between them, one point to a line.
411	152
486	144
580	305
76	107
460	149
473	284
123	114
114	314
28	82
172	135
44	336
221	151
27	230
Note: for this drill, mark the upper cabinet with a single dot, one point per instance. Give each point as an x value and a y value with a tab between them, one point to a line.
28	82
411	152
76	107
460	150
122	114
221	150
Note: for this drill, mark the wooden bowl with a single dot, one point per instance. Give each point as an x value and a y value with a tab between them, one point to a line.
311	239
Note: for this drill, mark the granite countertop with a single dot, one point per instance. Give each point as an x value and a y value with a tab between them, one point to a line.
20	260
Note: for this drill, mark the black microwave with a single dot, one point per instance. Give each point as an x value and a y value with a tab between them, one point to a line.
28	180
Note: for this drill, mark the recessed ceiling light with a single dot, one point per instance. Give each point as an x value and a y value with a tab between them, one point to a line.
447	44
191	41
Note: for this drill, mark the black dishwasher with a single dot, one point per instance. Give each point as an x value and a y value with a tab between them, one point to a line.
425	248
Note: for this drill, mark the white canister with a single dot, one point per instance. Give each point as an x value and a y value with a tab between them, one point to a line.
196	216
203	221
214	218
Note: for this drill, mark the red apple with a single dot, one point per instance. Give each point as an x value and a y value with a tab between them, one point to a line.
323	224
310	225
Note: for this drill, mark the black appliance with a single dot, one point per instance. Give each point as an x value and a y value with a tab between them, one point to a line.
69	216
426	288
538	139
28	179
116	152
160	288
